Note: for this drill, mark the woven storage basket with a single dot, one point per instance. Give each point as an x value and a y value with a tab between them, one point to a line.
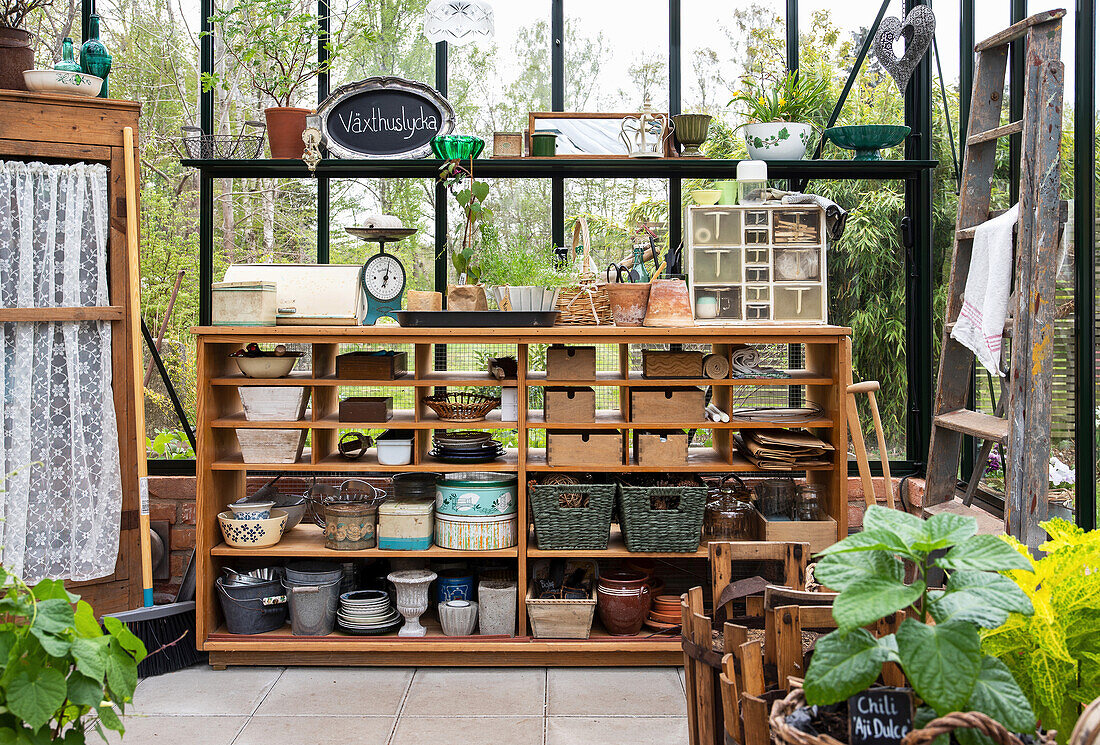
571	528
647	529
461	406
587	302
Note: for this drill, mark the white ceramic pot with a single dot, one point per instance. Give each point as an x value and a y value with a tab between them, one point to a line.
394	451
458	617
778	140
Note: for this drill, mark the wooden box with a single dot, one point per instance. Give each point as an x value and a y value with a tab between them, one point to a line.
569	405
507	144
661	364
372	365
661	448
820	534
559	619
366	409
572	449
271	445
667	404
570	363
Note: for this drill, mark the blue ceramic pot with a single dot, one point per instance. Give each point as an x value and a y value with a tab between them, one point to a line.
454	587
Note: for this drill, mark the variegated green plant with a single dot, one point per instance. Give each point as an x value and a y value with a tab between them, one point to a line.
1054	654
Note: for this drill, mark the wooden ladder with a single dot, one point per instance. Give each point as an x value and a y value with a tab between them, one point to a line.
1023	421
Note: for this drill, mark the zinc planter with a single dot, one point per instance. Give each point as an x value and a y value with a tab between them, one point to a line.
778	140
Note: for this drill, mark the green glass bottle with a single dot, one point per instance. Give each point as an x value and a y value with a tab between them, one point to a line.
639	262
67	63
94	57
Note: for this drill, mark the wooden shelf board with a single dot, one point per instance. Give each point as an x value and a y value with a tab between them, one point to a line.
703	460
509	463
307	540
616	548
615	379
402	419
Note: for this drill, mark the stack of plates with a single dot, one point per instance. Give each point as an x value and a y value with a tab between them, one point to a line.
367	612
466	447
664	614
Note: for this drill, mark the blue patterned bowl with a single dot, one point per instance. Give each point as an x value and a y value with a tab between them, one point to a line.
252	533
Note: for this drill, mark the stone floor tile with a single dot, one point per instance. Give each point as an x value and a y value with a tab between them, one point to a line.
334	691
170	730
623	691
616	730
473	730
476	692
202	691
292	730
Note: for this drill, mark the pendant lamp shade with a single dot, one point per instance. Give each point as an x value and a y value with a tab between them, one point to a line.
458	22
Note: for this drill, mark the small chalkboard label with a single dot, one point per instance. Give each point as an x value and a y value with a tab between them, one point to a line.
880	716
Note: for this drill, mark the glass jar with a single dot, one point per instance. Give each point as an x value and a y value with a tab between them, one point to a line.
808	502
729	514
776	497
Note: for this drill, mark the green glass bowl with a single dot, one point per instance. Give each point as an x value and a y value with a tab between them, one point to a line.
867	139
457	147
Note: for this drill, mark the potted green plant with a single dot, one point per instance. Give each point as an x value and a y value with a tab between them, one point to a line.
526	272
64	673
273	45
16	52
782	112
938	645
470	194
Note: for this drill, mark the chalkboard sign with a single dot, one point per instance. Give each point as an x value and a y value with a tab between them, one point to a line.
880	716
384	117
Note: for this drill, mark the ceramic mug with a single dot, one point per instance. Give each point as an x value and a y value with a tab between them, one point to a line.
706	307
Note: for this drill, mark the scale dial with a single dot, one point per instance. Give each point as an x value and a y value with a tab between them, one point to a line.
384	276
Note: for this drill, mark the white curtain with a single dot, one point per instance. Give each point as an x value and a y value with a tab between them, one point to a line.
61	498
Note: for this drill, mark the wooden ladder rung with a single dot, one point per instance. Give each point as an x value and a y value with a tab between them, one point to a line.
1018	30
996	133
975	424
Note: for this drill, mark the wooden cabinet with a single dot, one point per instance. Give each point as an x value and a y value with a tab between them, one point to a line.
222	473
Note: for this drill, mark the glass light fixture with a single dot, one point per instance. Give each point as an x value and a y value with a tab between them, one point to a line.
458	22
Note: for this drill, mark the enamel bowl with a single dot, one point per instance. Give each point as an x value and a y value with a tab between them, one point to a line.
252	533
62	81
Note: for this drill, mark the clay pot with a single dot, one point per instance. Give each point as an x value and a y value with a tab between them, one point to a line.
628	302
16	55
284	131
669	305
623	599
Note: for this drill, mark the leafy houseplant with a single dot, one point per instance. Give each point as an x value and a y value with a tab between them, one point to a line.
470	196
272	44
938	645
781	112
60	665
527	272
1055	653
16	52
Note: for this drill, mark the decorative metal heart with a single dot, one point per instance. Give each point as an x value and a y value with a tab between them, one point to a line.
917	30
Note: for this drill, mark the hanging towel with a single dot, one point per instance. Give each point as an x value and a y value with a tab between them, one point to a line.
985	301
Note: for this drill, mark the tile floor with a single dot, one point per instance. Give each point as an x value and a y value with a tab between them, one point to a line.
407	706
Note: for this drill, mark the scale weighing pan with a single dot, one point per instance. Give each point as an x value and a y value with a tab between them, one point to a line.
476	318
381	235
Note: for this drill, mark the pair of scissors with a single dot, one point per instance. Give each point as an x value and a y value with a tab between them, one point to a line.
621	272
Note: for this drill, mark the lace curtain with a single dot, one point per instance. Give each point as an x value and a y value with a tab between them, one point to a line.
61	498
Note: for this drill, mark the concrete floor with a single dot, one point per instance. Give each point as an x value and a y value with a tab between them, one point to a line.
407	706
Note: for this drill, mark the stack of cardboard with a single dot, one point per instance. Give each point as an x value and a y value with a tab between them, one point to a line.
784	449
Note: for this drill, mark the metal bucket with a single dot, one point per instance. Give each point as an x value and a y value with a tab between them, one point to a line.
313	607
252	609
313	572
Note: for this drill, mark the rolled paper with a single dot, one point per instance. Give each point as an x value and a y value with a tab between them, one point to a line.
716	366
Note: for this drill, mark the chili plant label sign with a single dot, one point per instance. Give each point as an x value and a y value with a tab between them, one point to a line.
880	716
384	117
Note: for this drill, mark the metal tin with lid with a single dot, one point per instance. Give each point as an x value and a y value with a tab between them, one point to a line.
406	524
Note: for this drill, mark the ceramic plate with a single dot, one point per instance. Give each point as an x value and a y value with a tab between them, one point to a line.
372	631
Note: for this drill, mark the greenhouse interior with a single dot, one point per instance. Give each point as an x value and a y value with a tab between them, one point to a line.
628	372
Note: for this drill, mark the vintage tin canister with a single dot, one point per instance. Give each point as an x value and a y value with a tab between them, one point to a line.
406	524
475	533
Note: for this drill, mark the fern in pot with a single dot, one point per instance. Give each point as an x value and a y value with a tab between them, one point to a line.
938	645
782	113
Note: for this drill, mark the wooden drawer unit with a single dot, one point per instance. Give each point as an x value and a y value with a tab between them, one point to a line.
569	405
661	448
667	404
574	449
570	363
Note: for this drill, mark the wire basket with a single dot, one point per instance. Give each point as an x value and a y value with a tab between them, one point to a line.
223	147
461	406
352	491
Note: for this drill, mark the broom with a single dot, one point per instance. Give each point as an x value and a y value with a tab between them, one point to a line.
168	631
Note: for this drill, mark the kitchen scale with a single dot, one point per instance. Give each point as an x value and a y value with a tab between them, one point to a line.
382	277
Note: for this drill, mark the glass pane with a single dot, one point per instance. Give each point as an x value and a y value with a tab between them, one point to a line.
615	209
377	37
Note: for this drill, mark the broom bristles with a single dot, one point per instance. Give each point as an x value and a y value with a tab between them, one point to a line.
168	633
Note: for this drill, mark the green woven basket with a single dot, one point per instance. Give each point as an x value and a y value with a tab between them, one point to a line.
647	529
568	528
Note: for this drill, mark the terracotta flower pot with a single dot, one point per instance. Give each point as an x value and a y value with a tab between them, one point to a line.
16	55
628	302
623	599
284	131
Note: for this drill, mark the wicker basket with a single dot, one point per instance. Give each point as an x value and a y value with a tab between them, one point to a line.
674	530
562	528
461	406
587	302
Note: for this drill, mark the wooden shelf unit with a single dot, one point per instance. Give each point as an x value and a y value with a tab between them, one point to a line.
222	472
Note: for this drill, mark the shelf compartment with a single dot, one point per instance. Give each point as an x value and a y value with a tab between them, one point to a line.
333	462
610	419
402	419
616	549
704	460
615	379
307	540
457	379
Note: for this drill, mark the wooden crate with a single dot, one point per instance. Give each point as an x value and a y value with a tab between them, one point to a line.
662	364
820	534
559	619
661	448
570	449
570	405
271	445
667	404
570	363
372	365
366	409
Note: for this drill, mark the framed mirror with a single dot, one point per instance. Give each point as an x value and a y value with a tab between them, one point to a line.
585	134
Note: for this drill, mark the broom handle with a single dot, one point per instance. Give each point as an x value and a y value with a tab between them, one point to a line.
134	282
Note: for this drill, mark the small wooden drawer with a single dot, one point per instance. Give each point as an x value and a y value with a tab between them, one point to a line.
372	365
661	448
820	534
569	405
570	363
660	364
667	404
366	409
571	449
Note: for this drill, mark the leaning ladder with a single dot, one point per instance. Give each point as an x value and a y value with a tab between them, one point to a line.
1025	428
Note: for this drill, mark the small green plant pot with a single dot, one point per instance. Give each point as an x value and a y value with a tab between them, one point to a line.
544	144
457	147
